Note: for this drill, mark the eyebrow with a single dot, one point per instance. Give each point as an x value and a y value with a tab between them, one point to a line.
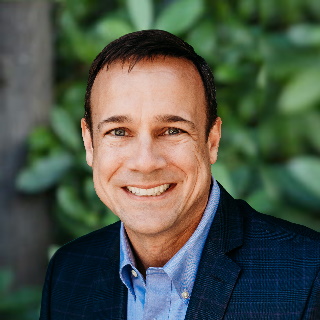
173	118
114	119
167	118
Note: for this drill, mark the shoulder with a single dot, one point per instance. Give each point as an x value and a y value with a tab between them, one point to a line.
254	231
103	237
278	243
92	247
76	269
258	225
275	228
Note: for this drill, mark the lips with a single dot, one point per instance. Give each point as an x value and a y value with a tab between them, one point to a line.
151	192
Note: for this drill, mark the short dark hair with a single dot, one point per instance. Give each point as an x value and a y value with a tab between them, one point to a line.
149	44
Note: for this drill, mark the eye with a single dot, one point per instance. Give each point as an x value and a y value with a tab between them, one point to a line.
173	131
119	132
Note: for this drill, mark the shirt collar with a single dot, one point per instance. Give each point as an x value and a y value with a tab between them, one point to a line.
182	267
127	261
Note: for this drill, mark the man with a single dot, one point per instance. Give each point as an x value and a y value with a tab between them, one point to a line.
185	249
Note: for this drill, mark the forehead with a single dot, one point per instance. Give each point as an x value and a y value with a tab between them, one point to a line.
164	82
179	69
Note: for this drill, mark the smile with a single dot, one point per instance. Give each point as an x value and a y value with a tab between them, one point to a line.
157	191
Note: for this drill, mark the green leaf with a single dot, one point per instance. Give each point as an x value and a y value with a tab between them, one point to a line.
270	183
111	28
227	73
314	7
305	35
82	44
65	128
180	15
86	47
74	227
203	38
242	139
89	190
77	9
72	98
247	8
283	58
241	179
44	173
302	92
41	140
306	170
260	201
221	174
268	11
311	128
141	13
73	206
299	180
109	218
70	202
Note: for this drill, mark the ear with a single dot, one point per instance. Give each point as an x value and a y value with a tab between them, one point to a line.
87	140
214	139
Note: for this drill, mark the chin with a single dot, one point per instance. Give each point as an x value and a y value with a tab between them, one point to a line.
146	228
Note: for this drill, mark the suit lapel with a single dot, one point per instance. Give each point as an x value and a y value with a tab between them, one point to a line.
110	298
217	273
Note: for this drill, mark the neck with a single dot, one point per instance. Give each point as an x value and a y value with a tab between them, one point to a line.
156	251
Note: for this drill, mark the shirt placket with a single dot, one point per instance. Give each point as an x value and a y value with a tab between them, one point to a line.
158	293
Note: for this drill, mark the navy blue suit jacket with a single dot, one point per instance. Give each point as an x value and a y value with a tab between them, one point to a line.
252	267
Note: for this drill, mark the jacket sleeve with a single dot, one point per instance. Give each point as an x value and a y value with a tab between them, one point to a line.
45	313
312	310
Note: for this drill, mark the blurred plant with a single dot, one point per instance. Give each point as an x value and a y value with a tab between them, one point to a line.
22	304
265	57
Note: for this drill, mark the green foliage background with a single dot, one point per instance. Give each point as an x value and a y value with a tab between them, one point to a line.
265	56
266	61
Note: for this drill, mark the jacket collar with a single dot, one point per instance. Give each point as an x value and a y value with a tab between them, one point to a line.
217	273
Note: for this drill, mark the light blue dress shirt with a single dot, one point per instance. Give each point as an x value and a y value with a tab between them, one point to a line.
166	291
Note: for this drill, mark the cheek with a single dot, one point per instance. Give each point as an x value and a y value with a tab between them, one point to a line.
106	160
107	151
201	168
190	158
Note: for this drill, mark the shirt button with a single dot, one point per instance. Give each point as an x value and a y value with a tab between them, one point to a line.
185	294
134	273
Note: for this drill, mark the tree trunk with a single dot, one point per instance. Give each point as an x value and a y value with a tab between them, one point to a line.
25	98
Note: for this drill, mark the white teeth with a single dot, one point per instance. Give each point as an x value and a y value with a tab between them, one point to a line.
149	192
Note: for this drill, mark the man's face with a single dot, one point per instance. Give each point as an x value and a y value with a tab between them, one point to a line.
149	151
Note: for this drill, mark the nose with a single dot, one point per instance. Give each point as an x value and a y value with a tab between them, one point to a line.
146	156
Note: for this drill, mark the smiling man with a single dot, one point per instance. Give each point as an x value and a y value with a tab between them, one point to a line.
184	249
